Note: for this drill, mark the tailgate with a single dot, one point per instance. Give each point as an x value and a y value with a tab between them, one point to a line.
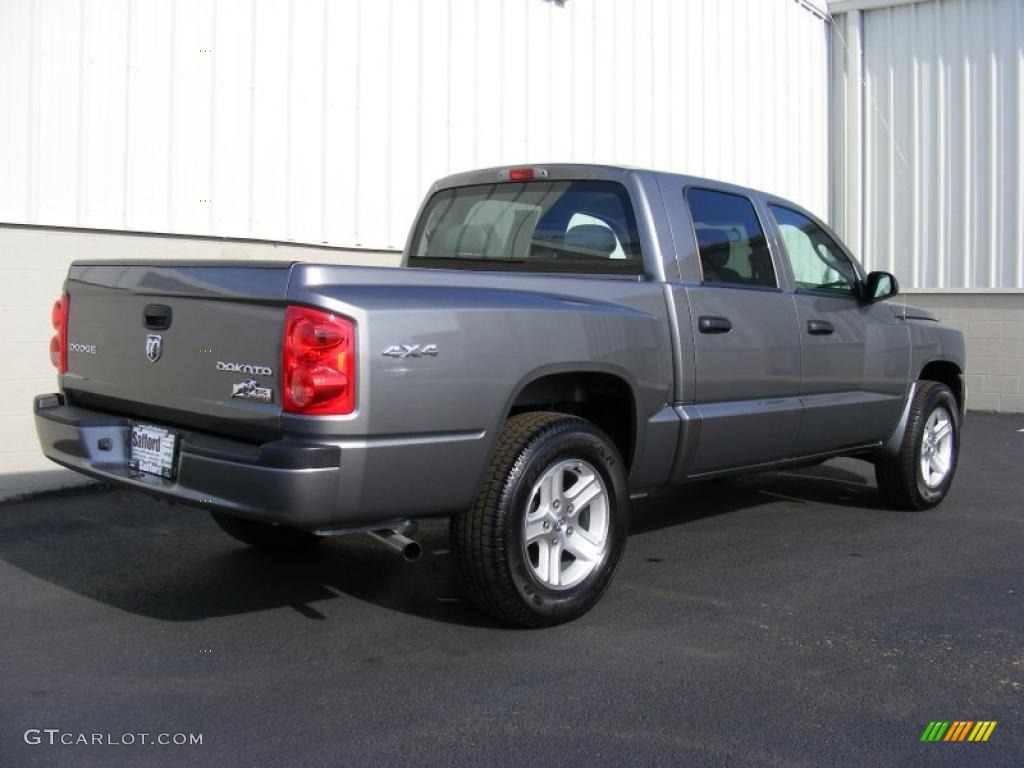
193	344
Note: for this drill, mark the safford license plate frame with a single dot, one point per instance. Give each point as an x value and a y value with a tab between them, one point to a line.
153	450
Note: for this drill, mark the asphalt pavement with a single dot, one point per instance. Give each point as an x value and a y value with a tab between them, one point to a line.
780	619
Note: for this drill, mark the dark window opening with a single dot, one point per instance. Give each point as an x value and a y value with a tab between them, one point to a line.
730	240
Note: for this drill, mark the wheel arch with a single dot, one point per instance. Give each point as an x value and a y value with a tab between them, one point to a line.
949	373
605	397
940	370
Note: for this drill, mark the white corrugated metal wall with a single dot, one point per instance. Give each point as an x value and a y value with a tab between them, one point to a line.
929	140
324	122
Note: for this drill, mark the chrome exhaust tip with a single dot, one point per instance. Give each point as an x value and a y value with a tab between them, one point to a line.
402	545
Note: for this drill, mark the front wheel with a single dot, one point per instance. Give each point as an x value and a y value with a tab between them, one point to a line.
920	474
547	532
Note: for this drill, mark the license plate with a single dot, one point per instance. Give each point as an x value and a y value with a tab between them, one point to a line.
153	450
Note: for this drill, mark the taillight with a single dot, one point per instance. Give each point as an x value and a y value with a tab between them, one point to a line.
59	342
318	366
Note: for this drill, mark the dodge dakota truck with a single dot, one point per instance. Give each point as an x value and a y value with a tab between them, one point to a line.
558	339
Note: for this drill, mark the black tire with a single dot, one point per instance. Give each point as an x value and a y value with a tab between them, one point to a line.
265	536
900	478
488	539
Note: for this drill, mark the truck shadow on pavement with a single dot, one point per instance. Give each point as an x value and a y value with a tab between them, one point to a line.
824	485
172	564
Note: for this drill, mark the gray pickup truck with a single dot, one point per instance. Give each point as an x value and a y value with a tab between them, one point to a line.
558	339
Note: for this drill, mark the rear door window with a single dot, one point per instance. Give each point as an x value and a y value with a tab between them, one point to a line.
731	242
547	226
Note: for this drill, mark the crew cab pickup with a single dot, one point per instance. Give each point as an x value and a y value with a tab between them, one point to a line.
558	339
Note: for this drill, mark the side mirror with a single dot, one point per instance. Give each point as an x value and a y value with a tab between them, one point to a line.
880	286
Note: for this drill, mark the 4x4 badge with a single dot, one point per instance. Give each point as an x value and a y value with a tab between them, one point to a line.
411	350
154	347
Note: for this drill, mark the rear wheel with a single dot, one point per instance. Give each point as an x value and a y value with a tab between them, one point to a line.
265	536
547	532
921	473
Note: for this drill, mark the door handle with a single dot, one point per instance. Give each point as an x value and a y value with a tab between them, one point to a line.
708	324
819	327
157	317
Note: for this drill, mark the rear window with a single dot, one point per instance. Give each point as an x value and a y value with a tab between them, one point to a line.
531	226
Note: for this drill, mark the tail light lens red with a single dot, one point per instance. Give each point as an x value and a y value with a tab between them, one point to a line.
59	342
318	363
522	174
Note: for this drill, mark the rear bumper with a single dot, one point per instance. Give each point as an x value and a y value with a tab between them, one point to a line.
285	482
296	482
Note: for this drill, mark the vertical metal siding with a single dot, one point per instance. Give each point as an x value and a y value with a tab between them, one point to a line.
324	122
929	141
